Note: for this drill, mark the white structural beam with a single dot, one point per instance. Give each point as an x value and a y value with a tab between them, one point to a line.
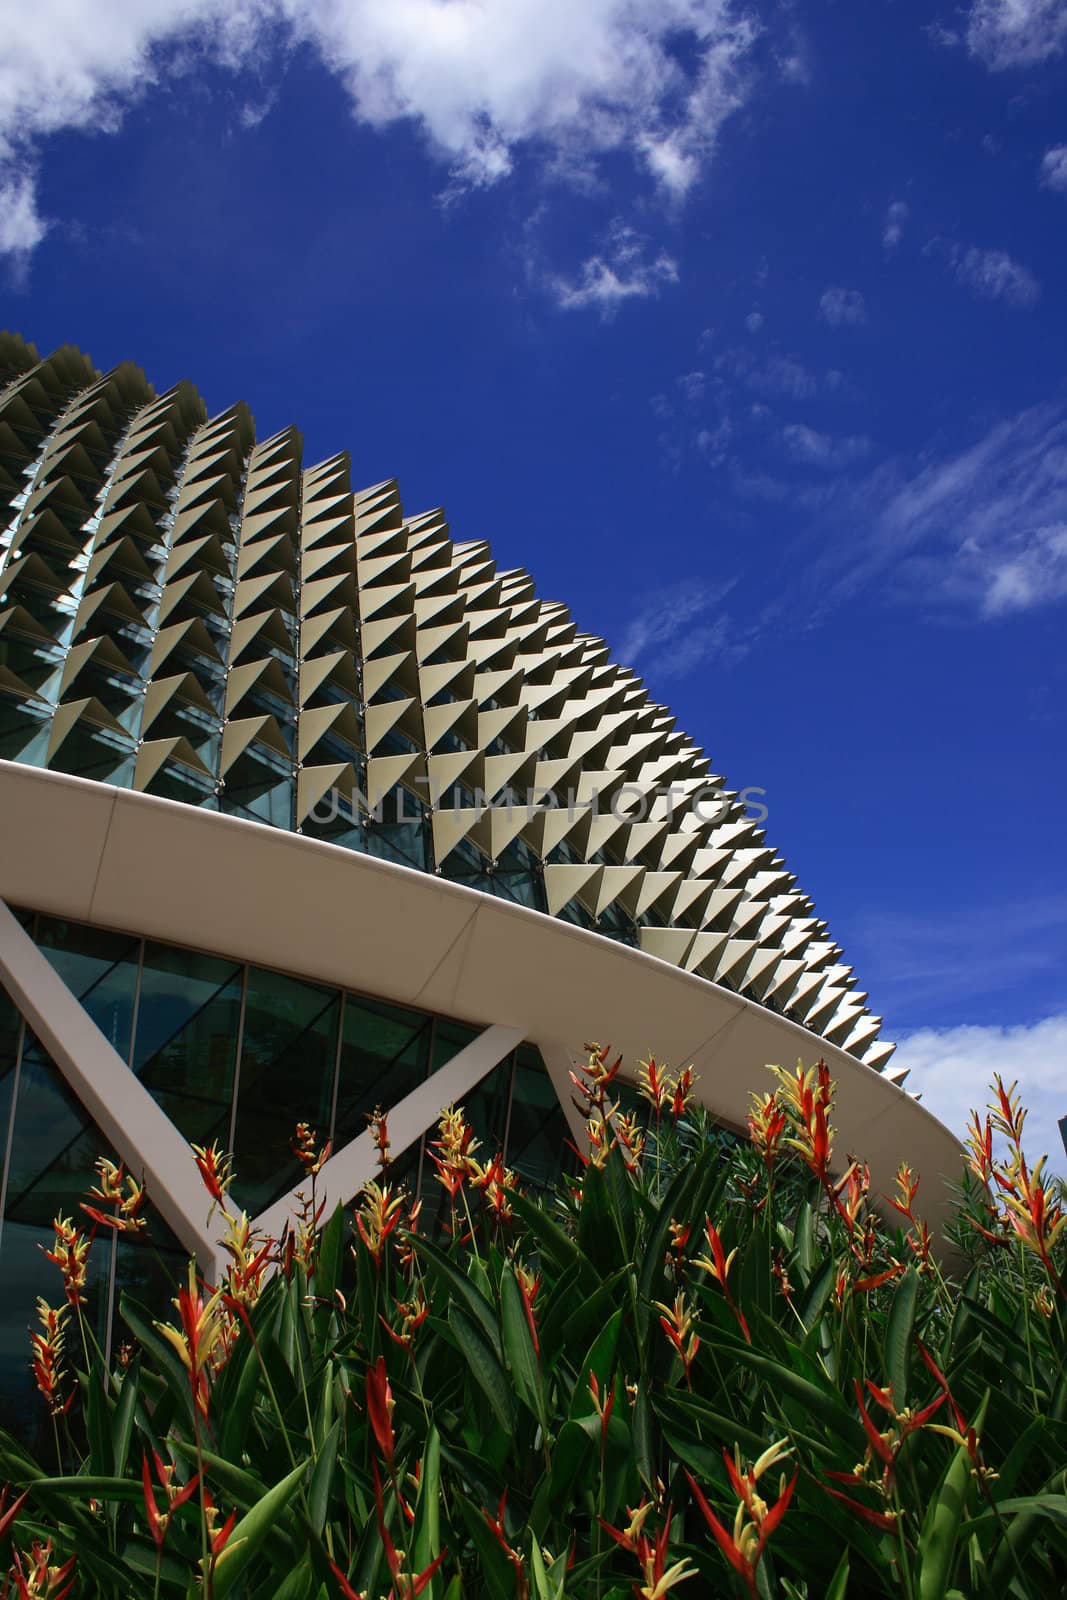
75	848
344	1174
140	1131
559	1064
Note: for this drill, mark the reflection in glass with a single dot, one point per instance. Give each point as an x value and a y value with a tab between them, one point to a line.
287	1065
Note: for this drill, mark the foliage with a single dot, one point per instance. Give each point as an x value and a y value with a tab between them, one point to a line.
703	1363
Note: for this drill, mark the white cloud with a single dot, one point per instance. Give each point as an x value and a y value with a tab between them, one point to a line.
993	275
842	307
625	270
1027	573
21	228
1016	33
1054	168
754	321
895	218
680	628
829	451
768	375
483	79
953	1068
983	530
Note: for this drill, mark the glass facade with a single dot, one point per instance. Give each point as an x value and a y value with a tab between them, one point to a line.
233	1053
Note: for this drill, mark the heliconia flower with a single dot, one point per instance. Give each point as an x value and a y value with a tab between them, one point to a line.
379	1214
754	1520
404	1249
176	1495
631	1140
347	1591
651	1555
719	1266
378	1123
884	1521
215	1169
654	1085
456	1145
682	1094
499	1532
46	1350
595	1080
766	1125
123	1193
807	1097
1032	1209
197	1341
1008	1113
677	1324
8	1513
603	1407
628	1537
529	1286
218	1537
35	1576
249	1254
979	1144
380	1410
412	1315
680	1232
71	1256
875	1280
310	1157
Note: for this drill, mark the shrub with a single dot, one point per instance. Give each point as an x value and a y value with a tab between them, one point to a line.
702	1363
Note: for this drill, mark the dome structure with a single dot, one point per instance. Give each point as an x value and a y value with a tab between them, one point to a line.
251	712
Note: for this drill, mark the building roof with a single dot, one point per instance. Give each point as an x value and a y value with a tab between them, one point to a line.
188	611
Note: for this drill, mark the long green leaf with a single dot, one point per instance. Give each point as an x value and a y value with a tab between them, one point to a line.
941	1526
250	1532
484	1364
898	1336
462	1289
519	1346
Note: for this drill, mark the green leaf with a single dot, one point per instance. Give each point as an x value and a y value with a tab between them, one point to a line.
543	1587
898	1335
496	1570
426	1544
462	1289
125	1411
839	1582
297	1586
599	1359
322	1478
819	1291
825	1404
941	1526
250	1532
164	1359
484	1364
331	1255
519	1346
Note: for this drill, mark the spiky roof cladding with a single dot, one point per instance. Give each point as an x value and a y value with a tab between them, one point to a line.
191	612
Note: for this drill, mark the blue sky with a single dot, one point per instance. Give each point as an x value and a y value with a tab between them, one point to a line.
742	327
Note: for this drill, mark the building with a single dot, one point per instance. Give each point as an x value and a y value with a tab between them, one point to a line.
307	807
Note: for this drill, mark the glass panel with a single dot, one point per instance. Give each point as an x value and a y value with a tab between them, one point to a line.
286	1077
53	1153
187	1021
384	1054
100	968
538	1130
150	1267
